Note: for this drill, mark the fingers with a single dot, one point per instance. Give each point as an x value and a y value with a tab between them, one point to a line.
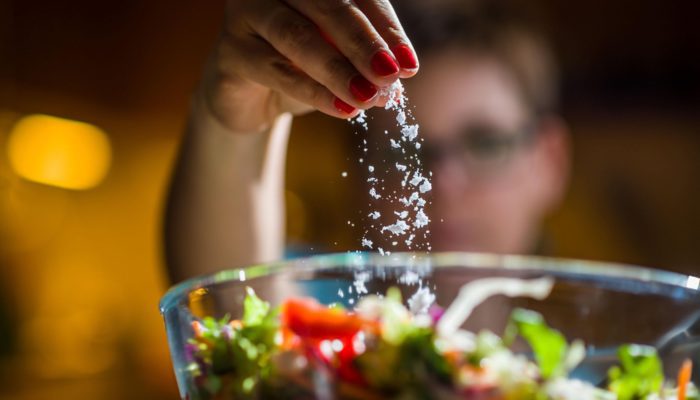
354	36
382	16
266	66
334	55
299	40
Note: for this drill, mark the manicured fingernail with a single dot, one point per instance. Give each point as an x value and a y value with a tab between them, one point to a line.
342	106
383	64
362	89
405	56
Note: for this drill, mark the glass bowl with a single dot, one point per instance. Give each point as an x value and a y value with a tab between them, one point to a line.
603	304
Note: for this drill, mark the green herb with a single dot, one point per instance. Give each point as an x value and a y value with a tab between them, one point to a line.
639	374
548	345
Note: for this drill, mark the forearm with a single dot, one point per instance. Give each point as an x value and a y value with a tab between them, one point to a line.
226	202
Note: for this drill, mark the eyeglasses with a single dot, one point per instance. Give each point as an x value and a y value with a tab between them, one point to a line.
482	149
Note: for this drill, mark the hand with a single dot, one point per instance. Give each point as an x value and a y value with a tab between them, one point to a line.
277	56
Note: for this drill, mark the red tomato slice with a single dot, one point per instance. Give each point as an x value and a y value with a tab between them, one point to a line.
311	320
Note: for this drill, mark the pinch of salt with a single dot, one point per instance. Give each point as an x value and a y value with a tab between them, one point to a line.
401	117
400	167
425	186
409	241
381	251
402	214
421	219
366	243
410	132
373	193
417	179
371	168
394	144
374	215
398	228
420	202
421	301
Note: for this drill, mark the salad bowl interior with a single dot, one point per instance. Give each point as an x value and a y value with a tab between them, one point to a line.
600	306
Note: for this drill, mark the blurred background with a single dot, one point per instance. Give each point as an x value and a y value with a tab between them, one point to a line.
81	269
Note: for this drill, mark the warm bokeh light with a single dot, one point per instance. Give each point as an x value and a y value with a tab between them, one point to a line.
59	152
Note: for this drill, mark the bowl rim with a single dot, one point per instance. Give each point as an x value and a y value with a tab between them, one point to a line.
555	265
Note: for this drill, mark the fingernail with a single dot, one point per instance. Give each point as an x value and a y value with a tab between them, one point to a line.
362	89
383	64
342	106
405	56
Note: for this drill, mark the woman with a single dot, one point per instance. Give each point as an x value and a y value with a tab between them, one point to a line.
484	100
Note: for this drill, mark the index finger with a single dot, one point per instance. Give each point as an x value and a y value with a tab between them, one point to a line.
382	16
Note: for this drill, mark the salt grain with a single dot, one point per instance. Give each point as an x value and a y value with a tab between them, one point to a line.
398	228
421	219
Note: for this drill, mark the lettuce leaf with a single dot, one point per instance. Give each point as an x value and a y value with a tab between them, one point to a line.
640	372
548	345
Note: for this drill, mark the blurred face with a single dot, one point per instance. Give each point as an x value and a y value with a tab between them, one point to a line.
496	170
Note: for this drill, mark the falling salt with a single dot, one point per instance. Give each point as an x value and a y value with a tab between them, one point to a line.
398	228
360	279
403	214
410	132
426	186
400	117
409	208
409	278
344	174
421	301
421	219
417	179
409	241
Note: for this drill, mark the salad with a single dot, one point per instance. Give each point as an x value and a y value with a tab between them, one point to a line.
383	349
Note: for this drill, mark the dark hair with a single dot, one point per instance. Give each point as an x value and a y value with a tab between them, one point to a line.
480	27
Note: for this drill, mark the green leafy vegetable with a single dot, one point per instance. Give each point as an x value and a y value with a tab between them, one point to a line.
236	355
639	374
548	345
254	309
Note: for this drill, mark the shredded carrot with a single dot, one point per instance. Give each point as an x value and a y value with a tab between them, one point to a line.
684	377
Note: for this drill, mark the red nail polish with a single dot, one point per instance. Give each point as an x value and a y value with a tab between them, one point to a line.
362	89
342	106
405	56
383	64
